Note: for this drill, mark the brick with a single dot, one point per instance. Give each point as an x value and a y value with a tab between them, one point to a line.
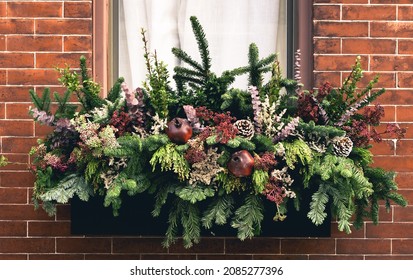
402	246
392	29
35	76
13	256
121	256
390	230
16	60
34	9
336	233
256	245
326	12
336	257
405	46
391	63
369	46
207	245
336	62
340	29
404	180
2	110
67	26
2	43
223	257
16	26
34	43
56	257
404	147
41	130
386	148
169	257
405	79
3	10
77	43
13	195
138	245
326	46
18	110
77	10
12	179
390	1
2	77
396	97
370	12
16	128
83	245
18	144
308	246
405	13
14	94
49	228
395	163
389	257
280	257
13	228
363	246
334	78
25	212
19	162
404	113
27	245
386	79
403	214
52	60
63	212
342	1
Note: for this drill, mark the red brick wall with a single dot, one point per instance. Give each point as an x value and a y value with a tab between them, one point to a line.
37	36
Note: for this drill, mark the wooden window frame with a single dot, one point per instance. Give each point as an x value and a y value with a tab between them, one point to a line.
105	54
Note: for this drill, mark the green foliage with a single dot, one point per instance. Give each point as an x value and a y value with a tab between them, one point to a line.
170	159
42	103
248	217
115	91
205	88
256	67
238	142
195	193
229	182
318	203
70	185
187	215
157	82
64	110
218	211
238	102
259	180
297	152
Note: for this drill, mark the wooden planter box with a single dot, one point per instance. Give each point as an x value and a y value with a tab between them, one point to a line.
92	218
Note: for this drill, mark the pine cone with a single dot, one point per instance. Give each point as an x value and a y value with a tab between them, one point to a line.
342	146
245	128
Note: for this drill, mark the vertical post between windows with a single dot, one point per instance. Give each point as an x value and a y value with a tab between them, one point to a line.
101	46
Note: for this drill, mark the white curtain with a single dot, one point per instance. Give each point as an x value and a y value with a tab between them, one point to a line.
230	26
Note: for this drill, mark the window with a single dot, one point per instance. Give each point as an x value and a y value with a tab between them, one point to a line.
230	27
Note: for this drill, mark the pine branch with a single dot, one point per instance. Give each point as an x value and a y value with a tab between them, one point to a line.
218	211
202	44
248	217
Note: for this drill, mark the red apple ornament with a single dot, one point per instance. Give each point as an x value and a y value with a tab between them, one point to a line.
179	130
241	164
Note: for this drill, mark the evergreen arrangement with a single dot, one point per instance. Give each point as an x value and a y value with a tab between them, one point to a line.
211	154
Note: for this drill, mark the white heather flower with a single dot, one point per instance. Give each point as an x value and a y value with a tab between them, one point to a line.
158	124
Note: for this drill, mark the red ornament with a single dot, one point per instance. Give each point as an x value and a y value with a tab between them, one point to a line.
241	164
179	130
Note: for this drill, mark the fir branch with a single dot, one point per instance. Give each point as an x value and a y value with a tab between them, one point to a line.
202	44
195	193
318	203
218	211
248	217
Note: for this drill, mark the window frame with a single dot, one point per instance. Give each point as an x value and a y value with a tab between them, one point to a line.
105	53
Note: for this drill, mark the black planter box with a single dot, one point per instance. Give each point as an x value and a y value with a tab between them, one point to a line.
92	218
